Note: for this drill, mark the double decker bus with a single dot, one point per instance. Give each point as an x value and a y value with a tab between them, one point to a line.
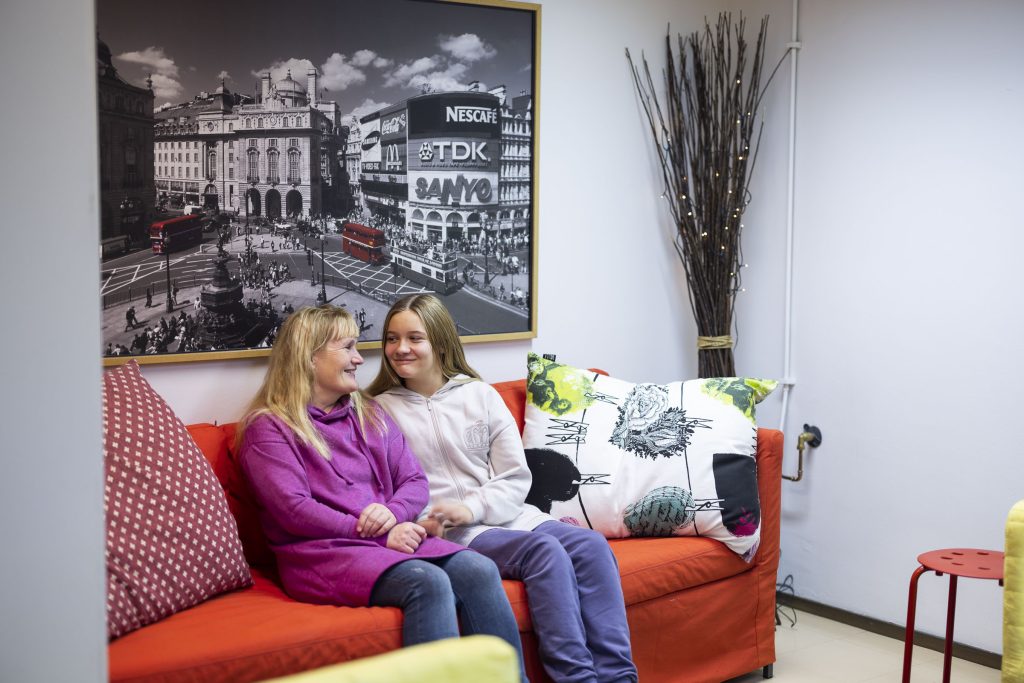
432	268
363	242
176	233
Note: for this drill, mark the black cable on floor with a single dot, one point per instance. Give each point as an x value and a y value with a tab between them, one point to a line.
781	610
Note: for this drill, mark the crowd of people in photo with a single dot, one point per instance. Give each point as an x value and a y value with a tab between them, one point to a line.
423	247
180	333
500	247
263	278
183	329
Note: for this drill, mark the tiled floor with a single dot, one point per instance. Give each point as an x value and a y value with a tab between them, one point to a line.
818	650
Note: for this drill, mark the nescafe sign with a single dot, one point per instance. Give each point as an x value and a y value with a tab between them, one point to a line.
463	114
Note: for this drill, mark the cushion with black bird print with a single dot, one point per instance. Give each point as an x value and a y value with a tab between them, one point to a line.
629	459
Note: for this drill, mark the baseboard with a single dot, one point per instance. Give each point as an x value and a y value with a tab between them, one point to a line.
884	628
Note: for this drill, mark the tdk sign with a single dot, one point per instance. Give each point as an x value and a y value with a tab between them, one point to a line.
453	151
471	115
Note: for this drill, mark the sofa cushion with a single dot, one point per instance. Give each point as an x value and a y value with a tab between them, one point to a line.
252	635
654	567
643	459
171	542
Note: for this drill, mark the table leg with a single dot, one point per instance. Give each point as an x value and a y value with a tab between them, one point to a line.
947	655
908	640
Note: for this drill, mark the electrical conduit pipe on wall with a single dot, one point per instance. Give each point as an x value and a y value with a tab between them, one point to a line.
787	381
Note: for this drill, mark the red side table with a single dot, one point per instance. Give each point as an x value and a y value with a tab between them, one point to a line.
967	562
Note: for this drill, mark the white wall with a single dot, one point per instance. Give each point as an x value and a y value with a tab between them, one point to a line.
907	314
905	293
52	587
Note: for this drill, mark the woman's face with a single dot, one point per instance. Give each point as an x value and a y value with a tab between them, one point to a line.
409	352
334	371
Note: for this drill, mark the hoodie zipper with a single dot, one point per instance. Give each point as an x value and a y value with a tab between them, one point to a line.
444	452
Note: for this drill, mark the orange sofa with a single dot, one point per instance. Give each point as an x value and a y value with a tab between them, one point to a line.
697	613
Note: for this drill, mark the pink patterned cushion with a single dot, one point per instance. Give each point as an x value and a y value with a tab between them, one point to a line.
171	541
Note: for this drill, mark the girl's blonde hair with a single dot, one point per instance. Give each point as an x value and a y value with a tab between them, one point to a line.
288	385
441	333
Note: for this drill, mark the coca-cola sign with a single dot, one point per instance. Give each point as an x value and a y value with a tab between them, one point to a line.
393	125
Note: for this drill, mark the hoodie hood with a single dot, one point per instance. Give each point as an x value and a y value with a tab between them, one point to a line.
341	410
350	431
407	394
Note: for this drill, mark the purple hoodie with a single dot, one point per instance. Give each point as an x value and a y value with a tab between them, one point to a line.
309	506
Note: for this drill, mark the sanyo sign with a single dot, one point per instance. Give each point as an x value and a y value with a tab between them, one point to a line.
471	115
463	188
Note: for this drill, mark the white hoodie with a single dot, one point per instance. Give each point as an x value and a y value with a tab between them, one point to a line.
470	448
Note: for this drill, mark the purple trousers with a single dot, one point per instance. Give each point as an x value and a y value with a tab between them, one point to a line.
575	595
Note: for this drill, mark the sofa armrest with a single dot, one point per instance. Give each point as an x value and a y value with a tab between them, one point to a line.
769	490
766	562
455	660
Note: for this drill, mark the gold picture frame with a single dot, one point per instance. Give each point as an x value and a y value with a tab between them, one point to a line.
369	150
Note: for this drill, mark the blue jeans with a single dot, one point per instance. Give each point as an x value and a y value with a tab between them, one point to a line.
435	594
575	594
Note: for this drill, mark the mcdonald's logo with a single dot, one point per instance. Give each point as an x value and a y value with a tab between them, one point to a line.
393	157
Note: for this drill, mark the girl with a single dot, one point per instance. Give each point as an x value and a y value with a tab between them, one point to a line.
470	447
340	491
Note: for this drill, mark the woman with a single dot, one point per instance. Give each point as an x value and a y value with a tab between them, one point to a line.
339	493
470	447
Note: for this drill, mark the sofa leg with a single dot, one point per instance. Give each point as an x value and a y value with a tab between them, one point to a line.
768	671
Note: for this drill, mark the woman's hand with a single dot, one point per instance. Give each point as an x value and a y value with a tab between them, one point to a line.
406	537
375	520
451	514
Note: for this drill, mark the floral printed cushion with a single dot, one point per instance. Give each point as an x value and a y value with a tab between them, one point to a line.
645	459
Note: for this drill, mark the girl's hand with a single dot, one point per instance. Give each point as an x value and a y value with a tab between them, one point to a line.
433	526
452	514
375	520
406	537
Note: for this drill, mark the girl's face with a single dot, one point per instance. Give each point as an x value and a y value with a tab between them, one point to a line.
408	350
334	371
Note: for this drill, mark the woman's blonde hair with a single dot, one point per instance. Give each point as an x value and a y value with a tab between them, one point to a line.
441	333
287	388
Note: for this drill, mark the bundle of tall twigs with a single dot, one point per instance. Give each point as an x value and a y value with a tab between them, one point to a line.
707	135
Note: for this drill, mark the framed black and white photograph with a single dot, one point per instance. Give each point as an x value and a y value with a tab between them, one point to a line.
256	158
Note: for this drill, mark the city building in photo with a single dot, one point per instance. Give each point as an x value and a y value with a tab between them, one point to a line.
127	195
450	165
352	157
195	152
279	148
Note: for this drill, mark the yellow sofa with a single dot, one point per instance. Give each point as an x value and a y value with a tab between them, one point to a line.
1013	597
457	660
